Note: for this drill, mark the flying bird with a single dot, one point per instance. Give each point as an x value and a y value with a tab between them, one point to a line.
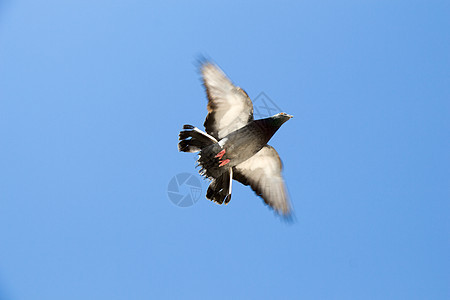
234	145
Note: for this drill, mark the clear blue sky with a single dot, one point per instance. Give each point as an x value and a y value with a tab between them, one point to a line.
93	94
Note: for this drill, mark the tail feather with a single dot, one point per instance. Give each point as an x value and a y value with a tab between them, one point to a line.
193	139
219	190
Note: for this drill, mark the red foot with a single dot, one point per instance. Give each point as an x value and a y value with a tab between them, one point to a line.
224	162
220	154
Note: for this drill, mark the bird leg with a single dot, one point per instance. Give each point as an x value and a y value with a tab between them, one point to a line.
224	162
220	154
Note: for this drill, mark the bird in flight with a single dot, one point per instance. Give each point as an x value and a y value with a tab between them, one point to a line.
234	145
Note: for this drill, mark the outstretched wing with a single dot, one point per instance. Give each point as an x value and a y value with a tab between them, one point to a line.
263	173
229	107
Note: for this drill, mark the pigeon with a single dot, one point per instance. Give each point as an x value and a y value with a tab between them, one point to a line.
234	145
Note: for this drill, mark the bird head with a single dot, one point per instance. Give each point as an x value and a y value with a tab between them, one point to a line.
278	119
282	117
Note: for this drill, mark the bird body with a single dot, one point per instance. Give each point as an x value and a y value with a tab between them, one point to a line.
234	145
239	146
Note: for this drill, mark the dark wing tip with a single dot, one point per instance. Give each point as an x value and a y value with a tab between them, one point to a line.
288	218
202	60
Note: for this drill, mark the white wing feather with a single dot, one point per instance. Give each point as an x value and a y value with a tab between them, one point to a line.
229	107
263	173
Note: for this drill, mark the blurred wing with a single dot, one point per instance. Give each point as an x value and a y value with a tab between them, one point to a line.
263	173
229	107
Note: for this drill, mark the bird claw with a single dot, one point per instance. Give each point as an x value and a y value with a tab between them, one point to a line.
224	162
220	154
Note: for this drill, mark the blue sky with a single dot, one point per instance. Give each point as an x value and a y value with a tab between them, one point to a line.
93	94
